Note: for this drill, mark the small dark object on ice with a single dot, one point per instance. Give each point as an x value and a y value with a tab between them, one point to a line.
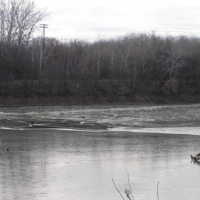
195	158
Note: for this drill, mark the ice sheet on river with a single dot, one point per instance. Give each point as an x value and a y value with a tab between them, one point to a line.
173	119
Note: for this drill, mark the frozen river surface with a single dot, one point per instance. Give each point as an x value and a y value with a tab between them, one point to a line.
59	153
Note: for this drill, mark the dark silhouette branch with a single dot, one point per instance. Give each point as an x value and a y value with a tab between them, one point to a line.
118	190
130	187
157	191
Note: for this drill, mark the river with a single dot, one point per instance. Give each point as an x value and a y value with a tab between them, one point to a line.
74	152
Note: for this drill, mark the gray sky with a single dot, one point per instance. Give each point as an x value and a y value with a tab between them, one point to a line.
94	19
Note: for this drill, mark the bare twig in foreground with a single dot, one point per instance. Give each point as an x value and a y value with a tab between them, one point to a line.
127	192
157	191
117	189
130	187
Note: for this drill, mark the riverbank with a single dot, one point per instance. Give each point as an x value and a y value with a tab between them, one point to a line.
82	92
76	100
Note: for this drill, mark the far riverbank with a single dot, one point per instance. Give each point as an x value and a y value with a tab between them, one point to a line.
75	100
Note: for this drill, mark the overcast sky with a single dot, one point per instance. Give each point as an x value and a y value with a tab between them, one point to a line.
93	19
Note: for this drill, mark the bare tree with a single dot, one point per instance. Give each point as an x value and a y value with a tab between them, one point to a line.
172	56
18	20
98	54
109	54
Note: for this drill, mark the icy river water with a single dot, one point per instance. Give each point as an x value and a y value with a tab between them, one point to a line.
59	153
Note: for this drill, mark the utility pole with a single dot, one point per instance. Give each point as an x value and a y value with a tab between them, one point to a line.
43	70
42	54
44	26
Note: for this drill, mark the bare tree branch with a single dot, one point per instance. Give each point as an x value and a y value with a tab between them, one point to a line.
157	191
130	187
118	189
18	20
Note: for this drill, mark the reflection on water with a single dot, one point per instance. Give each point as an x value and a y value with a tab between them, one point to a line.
50	162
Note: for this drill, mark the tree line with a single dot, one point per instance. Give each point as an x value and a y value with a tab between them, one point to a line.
137	63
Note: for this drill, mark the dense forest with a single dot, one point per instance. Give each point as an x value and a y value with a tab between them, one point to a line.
138	67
